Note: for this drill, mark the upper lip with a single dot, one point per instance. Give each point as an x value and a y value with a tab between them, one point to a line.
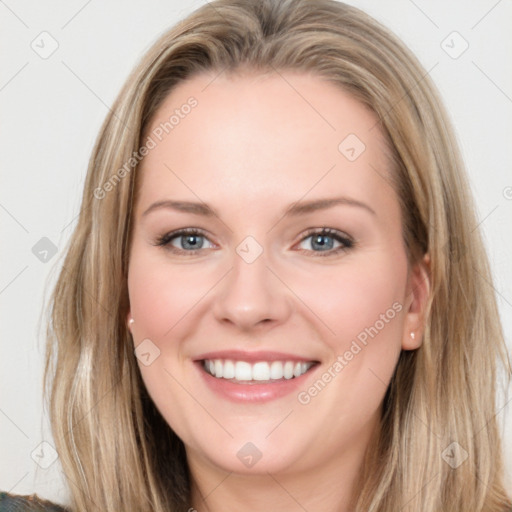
260	355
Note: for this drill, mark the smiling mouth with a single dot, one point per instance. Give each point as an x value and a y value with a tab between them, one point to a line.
259	372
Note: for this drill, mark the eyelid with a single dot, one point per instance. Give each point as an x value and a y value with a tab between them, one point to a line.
346	240
165	239
343	238
326	231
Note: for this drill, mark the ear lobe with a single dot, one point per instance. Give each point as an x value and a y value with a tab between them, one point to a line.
129	321
418	292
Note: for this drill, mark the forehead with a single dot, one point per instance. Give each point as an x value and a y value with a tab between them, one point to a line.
275	135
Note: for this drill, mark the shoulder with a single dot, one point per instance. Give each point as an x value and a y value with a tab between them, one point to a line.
18	503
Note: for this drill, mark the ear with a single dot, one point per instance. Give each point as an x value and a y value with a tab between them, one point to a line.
418	293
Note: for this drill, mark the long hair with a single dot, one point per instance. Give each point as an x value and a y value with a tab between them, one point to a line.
116	450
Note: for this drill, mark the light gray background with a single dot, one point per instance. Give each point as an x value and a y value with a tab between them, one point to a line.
52	109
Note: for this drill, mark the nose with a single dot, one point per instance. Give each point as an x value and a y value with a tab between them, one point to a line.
252	295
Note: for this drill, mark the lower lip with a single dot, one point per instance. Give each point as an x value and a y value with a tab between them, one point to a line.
243	393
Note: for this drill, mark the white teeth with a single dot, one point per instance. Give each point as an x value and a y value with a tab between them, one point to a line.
276	370
228	372
242	370
260	371
218	367
288	370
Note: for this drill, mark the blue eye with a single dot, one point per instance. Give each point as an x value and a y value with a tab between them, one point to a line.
192	240
322	241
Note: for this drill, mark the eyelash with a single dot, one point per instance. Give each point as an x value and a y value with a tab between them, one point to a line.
347	242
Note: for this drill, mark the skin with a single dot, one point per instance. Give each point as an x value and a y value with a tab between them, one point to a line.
253	146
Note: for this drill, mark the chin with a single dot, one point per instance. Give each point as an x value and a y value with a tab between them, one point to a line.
249	459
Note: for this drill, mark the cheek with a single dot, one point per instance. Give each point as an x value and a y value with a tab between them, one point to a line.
363	309
162	295
162	298
357	300
362	306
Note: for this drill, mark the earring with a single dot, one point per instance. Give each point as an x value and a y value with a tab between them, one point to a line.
130	322
412	335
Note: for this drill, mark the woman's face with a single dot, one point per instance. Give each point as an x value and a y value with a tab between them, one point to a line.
293	285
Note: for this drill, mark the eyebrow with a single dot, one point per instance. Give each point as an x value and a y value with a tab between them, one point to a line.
295	209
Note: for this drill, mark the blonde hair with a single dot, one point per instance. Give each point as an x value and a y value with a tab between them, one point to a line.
116	450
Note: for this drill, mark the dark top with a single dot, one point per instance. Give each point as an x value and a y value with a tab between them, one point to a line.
29	503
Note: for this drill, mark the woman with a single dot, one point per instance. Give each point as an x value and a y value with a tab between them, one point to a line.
272	297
